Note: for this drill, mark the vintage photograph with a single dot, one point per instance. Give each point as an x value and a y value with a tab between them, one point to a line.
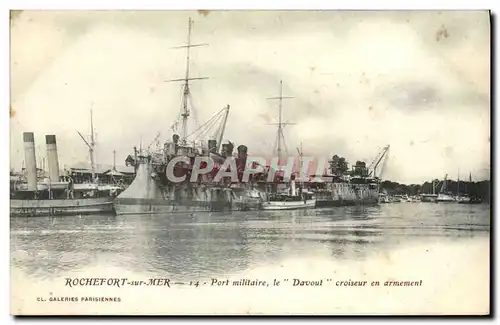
285	162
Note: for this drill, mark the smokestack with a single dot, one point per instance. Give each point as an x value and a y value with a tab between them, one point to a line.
52	158
30	158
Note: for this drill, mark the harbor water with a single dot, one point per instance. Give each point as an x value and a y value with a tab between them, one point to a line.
445	246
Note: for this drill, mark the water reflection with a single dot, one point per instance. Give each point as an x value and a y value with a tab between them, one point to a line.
188	246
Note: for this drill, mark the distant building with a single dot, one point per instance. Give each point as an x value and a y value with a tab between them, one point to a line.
82	173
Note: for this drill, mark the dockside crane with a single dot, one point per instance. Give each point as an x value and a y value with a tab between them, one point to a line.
373	166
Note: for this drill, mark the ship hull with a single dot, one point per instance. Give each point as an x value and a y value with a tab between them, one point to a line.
145	196
445	198
161	206
345	194
428	198
471	202
41	208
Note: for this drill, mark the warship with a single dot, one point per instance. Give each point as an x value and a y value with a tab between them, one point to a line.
54	195
278	192
325	190
153	192
358	187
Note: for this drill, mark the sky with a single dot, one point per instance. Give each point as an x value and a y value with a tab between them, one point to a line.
418	81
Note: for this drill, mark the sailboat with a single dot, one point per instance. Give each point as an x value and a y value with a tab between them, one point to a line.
430	197
290	198
461	197
444	195
466	199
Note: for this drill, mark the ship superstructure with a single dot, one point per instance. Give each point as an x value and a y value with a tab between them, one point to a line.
359	187
152	191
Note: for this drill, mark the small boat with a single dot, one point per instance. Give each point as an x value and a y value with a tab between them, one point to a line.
428	197
397	198
466	199
289	202
405	198
445	196
384	198
471	200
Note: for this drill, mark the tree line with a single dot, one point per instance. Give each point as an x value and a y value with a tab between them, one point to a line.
480	189
339	166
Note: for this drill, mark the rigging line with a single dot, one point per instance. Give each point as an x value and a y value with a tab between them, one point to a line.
284	143
219	130
174	126
210	121
382	169
193	109
155	141
207	126
219	133
203	133
275	143
212	125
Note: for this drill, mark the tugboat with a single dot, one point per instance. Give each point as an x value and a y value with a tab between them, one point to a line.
51	196
291	200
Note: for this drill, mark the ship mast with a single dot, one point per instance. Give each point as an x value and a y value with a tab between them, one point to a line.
91	145
280	137
301	154
443	186
299	151
186	93
470	182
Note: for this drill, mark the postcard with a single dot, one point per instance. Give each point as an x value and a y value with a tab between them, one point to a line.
217	162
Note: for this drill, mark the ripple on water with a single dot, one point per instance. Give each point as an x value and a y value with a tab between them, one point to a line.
210	244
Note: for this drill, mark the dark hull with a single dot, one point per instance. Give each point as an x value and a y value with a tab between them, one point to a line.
161	206
146	196
345	194
428	198
42	208
341	203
